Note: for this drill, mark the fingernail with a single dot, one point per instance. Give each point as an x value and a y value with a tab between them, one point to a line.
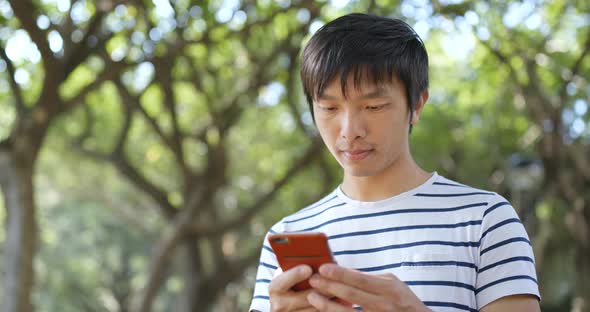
326	269
314	280
304	269
313	298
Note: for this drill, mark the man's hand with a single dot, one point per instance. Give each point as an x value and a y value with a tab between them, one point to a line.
282	298
375	293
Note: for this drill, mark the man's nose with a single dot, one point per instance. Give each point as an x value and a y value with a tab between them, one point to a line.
352	126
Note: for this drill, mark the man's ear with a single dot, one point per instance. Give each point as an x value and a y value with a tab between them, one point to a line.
419	106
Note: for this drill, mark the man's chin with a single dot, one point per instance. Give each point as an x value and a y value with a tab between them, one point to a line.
359	172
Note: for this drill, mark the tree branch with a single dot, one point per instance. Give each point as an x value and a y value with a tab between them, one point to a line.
78	142
16	90
502	58
128	114
258	81
233	111
196	79
165	248
127	169
371	8
292	94
134	100
111	70
66	28
555	27
82	50
87	131
163	70
133	175
575	69
225	273
536	86
118	158
24	11
249	212
97	156
529	91
580	160
161	255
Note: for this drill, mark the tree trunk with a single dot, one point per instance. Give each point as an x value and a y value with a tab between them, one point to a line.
192	270
121	285
16	182
581	291
581	301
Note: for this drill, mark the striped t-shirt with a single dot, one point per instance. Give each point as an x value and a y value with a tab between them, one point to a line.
458	248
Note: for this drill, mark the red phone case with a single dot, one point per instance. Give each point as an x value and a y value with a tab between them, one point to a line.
293	249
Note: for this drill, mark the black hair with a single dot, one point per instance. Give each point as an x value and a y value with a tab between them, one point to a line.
370	47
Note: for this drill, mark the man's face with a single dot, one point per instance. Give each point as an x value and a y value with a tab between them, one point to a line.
367	132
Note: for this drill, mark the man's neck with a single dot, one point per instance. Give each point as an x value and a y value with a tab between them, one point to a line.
398	178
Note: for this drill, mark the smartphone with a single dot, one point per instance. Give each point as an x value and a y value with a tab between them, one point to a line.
293	249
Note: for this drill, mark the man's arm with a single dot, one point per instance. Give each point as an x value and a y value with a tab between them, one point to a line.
524	303
506	274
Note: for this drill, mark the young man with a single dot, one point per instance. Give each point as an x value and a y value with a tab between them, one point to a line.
404	239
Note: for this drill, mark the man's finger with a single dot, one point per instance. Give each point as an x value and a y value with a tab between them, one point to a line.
324	304
308	309
284	281
290	301
277	272
345	292
388	276
376	284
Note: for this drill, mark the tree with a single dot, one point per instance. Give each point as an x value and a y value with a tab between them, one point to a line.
542	78
550	78
185	107
197	107
34	115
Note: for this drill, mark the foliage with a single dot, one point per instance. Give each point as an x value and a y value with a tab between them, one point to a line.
195	107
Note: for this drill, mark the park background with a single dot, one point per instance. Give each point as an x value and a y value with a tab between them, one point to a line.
147	146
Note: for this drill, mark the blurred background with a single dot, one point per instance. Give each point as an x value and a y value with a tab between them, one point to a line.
146	146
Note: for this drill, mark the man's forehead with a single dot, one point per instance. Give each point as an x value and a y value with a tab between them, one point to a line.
353	90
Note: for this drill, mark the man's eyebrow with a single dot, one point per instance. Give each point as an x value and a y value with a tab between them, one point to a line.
327	97
376	93
380	92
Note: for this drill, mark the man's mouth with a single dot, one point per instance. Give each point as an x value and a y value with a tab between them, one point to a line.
356	155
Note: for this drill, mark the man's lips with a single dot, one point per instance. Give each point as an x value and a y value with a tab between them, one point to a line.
358	154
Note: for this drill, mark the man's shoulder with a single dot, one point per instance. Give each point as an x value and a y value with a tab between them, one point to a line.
306	212
444	190
443	185
325	201
487	201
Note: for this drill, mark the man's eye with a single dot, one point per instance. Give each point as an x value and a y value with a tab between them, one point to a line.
328	108
376	107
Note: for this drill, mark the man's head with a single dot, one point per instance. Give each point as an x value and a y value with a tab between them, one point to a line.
369	48
366	80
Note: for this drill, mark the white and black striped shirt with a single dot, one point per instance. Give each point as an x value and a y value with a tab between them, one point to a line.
457	248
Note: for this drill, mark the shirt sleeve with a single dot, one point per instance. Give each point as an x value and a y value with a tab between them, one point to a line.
266	269
506	262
